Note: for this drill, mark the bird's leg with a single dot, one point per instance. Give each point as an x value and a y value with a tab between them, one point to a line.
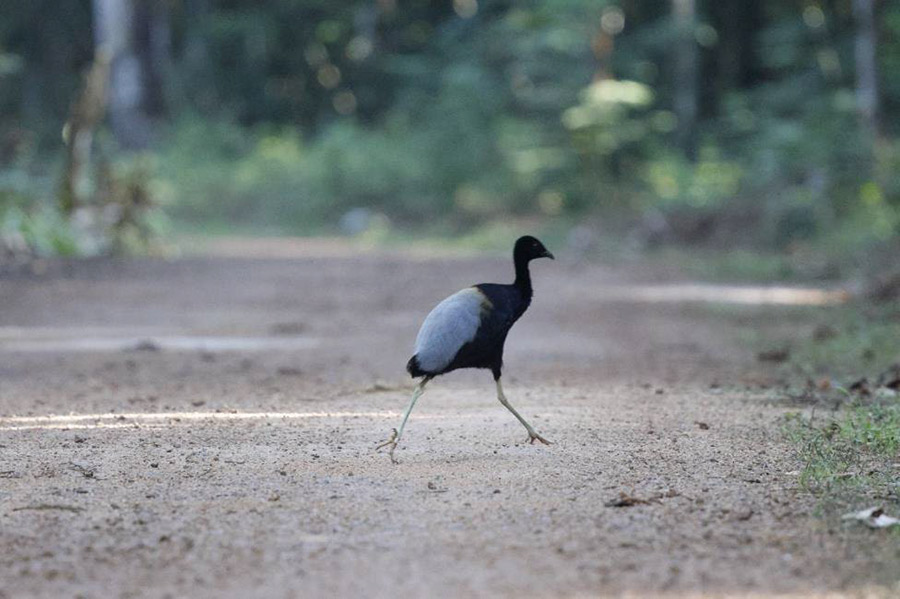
532	434
395	435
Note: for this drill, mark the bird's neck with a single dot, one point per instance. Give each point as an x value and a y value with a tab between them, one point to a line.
523	279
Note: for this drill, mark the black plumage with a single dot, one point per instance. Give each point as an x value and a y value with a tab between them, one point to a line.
486	349
469	330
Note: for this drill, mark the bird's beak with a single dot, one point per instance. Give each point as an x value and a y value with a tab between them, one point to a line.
547	254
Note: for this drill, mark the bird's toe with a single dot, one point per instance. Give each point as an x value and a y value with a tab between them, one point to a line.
392	442
532	437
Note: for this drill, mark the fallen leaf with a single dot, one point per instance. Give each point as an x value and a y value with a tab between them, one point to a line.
860	386
146	345
824	384
289	371
874	517
824	332
625	500
774	355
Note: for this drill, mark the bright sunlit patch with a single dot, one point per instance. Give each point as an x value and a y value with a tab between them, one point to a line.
613	20
813	16
168	419
465	8
95	339
728	294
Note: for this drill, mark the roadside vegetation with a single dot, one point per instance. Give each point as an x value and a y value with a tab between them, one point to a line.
847	379
849	457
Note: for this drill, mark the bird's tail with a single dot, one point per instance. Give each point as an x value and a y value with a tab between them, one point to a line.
413	368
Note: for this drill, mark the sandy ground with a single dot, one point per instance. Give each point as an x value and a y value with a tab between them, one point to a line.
204	427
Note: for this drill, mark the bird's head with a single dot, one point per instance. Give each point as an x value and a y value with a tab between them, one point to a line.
528	248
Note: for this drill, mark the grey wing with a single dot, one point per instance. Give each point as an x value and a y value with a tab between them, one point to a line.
450	325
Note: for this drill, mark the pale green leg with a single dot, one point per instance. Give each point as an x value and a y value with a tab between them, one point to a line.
532	435
395	437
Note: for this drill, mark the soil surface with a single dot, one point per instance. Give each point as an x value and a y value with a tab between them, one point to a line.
205	427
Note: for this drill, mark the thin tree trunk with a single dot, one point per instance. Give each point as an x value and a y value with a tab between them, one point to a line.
866	67
115	26
737	22
153	38
195	83
78	135
686	74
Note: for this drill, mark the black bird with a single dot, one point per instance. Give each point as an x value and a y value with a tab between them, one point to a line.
468	330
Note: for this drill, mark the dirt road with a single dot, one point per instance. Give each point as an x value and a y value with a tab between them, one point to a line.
205	427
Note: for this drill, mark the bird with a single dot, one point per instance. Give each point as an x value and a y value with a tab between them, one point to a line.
468	330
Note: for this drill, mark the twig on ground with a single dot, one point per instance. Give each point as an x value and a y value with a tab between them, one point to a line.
49	506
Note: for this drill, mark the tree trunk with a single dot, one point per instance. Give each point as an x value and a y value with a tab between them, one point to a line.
737	22
195	84
686	72
124	30
153	40
866	67
78	134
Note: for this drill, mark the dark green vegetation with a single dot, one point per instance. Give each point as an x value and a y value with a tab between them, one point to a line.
754	124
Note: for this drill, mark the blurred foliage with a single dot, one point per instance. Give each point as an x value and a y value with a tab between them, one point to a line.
123	218
290	114
855	341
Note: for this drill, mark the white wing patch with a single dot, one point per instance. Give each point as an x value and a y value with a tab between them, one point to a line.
449	326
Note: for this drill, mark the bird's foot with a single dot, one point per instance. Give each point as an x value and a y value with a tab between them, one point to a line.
533	436
393	444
